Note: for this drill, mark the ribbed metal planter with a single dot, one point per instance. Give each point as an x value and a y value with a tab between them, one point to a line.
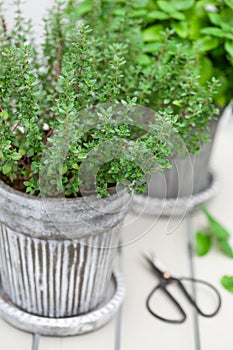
181	188
57	256
187	176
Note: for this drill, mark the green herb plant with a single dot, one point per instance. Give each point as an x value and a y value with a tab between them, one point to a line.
43	91
203	26
169	79
218	234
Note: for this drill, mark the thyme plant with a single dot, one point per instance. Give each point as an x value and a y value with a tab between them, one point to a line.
169	78
42	94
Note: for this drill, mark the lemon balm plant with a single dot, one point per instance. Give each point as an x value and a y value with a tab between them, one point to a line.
206	26
203	26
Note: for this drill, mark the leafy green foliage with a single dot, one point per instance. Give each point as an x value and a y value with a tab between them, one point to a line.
167	76
43	91
215	232
202	26
227	283
216	228
203	243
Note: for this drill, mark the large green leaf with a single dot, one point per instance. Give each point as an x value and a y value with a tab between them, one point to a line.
229	3
200	10
166	6
153	48
82	8
215	18
229	47
205	68
217	32
140	13
153	33
139	3
157	15
143	60
207	43
181	29
170	8
194	28
227	18
177	15
6	169
216	228
182	5
213	31
225	247
203	243
227	283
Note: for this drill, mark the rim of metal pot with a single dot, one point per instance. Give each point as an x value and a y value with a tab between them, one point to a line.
144	205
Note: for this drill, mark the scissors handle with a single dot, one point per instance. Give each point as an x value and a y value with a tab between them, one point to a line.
172	299
192	299
163	287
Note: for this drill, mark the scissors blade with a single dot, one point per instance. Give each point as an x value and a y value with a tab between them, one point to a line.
154	263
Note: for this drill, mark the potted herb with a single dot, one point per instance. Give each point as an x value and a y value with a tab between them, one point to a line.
60	226
203	26
173	69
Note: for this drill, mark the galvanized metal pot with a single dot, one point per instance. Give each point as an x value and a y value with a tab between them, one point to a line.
57	255
187	176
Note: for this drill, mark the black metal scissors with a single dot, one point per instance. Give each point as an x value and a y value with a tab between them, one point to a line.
166	279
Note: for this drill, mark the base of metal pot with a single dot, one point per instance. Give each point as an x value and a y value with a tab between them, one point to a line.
70	325
145	205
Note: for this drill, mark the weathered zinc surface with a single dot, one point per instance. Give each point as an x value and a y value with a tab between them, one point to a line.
57	255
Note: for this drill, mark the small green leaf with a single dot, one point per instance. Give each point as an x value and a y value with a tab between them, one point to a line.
213	31
82	8
177	15
166	6
227	283
75	166
182	5
207	43
153	33
229	47
181	29
4	115
144	60
216	228
177	103
153	48
203	243
64	169
157	15
225	247
206	69
16	156
215	18
22	151
138	3
217	32
30	152
119	12
229	3
6	169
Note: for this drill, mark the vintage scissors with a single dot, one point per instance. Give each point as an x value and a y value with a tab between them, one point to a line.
166	279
